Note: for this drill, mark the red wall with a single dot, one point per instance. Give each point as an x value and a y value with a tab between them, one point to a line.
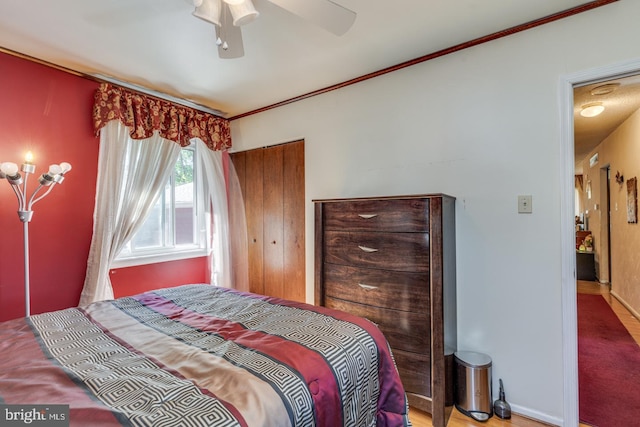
133	280
48	112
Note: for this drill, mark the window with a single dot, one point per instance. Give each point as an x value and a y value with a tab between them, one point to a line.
175	227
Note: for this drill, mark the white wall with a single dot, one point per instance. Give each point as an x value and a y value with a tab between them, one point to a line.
482	125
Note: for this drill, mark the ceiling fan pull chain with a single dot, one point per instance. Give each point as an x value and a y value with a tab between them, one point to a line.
223	43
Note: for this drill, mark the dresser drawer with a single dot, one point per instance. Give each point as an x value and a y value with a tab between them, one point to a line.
405	330
382	288
414	370
386	251
377	215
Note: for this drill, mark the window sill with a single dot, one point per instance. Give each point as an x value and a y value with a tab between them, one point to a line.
157	258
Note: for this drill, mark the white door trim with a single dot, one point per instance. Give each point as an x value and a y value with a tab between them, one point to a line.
567	226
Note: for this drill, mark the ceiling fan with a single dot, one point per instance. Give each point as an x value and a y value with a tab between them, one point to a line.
229	15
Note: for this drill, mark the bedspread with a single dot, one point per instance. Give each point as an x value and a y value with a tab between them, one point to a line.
200	355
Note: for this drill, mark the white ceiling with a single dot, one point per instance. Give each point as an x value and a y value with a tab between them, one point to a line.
159	46
619	105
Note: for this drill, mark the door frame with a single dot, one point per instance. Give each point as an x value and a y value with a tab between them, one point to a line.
567	225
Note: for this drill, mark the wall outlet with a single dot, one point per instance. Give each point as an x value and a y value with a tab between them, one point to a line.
524	204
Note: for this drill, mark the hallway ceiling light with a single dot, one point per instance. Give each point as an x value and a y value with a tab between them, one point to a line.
604	89
592	110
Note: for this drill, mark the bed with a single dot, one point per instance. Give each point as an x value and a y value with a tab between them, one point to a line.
201	355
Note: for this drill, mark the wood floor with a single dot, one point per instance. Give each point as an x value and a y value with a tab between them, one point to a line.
422	419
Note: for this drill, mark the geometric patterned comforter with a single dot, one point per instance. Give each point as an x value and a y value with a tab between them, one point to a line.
200	355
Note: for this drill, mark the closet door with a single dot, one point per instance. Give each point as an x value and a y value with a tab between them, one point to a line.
272	184
253	205
273	221
293	206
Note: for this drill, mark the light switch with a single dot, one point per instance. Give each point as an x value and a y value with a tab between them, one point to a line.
524	204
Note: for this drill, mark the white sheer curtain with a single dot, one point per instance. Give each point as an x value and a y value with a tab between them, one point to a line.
215	192
238	229
131	175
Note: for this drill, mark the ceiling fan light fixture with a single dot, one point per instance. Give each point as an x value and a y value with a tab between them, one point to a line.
592	110
208	10
243	12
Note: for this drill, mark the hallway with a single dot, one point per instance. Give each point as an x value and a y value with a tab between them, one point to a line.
628	320
608	344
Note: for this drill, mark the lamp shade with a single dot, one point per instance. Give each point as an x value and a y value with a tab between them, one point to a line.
9	168
210	11
66	167
243	13
54	170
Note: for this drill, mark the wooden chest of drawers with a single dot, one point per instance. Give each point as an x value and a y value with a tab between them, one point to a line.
392	260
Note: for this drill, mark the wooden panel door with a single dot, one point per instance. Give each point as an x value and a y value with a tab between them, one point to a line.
239	162
272	182
254	210
294	214
273	221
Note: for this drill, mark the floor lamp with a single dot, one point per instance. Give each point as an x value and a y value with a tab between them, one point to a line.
18	183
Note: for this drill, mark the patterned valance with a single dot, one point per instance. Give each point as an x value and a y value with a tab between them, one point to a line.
144	115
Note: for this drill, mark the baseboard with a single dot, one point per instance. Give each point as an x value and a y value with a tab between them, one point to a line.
536	415
627	306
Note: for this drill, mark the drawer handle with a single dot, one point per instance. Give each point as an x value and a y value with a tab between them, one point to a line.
367	287
367	216
366	249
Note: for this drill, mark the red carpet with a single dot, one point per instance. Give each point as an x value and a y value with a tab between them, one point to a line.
608	366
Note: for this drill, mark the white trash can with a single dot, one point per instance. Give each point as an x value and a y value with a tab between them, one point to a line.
473	385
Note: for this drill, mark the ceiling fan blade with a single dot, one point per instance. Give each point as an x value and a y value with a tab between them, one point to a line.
324	13
232	35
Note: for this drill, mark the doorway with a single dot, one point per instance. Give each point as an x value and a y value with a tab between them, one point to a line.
568	269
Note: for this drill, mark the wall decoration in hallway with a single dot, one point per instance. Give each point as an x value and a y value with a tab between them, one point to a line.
632	200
